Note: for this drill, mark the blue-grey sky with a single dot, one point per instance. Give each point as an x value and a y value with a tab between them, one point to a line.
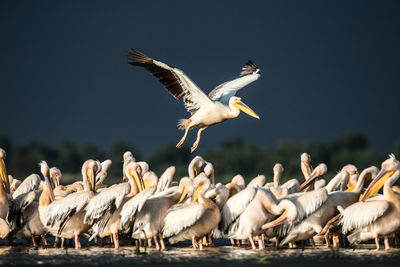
328	68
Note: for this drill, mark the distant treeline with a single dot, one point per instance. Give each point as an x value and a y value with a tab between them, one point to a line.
232	157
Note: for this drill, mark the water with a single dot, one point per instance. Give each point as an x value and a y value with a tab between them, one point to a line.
364	255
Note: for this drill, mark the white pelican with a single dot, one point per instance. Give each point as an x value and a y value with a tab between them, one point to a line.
218	106
192	220
335	203
149	220
105	208
65	217
377	218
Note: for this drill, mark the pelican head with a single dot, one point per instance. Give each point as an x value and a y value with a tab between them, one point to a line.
239	180
237	102
388	168
128	156
55	175
200	185
289	214
320	170
49	183
3	171
135	171
305	158
184	185
89	171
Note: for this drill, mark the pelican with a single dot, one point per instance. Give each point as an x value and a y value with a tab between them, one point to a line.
65	217
128	158
260	210
377	218
192	220
105	208
149	220
218	106
335	203
237	204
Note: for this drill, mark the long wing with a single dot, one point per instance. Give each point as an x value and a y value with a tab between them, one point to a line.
173	79
31	183
235	206
101	202
180	217
250	73
134	205
63	208
361	214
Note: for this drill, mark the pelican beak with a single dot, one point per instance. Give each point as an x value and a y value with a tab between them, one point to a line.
50	187
138	179
243	107
4	176
184	195
376	184
313	177
90	174
281	219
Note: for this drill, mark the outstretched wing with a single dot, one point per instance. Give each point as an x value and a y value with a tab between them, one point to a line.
173	79
250	72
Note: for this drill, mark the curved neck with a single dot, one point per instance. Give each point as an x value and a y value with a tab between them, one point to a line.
232	111
306	170
360	181
388	192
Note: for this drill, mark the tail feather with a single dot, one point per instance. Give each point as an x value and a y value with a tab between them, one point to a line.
183	124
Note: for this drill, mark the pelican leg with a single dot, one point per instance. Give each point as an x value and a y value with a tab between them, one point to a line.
201	243
326	236
194	243
260	243
156	242
55	242
44	241
183	138
196	143
161	241
238	243
312	242
377	243
149	244
77	242
116	240
335	239
111	239
34	241
386	240
253	246
232	241
210	240
62	242
205	240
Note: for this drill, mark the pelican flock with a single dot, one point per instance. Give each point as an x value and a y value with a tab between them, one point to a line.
197	209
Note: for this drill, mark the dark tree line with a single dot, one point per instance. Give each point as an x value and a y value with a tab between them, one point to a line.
232	157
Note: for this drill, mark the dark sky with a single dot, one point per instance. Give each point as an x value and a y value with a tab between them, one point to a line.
328	68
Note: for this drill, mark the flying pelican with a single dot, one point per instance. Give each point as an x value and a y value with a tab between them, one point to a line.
378	218
218	106
192	220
